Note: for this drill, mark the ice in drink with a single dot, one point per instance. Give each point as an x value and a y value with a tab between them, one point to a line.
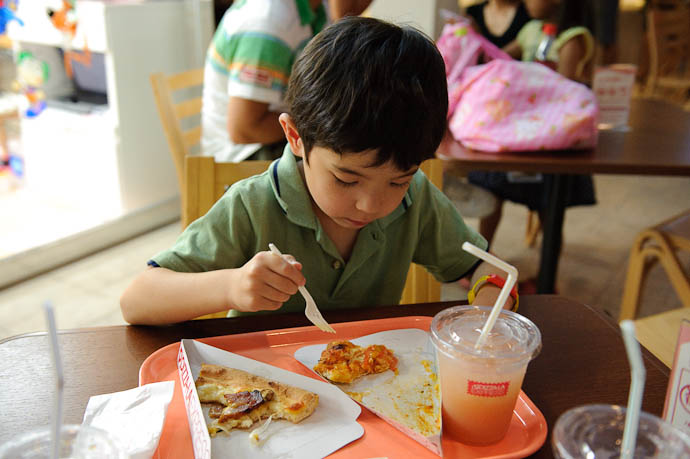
479	387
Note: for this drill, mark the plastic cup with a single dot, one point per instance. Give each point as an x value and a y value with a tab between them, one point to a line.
76	442
596	431
479	387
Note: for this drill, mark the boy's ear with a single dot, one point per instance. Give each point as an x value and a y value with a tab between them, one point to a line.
291	134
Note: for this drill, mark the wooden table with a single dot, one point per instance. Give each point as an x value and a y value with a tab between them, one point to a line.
582	361
658	143
659	333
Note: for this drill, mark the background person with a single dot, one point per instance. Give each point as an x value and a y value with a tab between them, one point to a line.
500	21
572	52
247	69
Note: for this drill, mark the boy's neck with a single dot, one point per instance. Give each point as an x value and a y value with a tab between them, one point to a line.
314	4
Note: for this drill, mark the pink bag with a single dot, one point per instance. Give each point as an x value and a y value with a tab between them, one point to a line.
508	105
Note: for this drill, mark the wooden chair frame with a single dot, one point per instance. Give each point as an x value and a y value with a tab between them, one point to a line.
167	92
659	243
668	39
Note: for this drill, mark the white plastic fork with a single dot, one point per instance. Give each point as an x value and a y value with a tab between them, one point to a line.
311	311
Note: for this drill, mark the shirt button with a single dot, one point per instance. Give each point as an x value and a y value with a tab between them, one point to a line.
336	264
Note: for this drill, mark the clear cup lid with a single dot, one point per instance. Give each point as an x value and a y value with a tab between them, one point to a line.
513	337
597	431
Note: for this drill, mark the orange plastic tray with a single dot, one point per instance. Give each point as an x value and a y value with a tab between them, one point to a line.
526	434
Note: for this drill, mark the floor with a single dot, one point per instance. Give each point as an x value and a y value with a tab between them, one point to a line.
592	268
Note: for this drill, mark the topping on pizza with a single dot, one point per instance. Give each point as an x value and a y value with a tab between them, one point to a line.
344	362
237	399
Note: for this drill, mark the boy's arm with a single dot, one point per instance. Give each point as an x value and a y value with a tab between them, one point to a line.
488	293
162	296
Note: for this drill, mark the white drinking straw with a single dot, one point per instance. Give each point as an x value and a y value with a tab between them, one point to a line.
637	377
57	363
505	291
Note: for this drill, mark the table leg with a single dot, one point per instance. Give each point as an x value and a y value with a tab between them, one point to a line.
553	232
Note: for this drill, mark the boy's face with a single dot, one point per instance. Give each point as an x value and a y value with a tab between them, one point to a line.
347	189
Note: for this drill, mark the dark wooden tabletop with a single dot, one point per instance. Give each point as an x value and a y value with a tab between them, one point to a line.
658	143
582	360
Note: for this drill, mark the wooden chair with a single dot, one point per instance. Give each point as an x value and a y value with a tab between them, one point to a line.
420	286
659	243
178	99
668	41
206	180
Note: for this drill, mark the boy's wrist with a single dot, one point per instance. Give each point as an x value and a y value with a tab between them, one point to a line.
486	290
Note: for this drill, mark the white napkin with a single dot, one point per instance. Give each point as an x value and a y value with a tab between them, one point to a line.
133	417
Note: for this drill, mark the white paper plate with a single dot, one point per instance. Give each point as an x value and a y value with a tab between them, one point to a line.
410	400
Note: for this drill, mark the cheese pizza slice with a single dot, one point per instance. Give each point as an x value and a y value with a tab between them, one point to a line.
238	399
344	362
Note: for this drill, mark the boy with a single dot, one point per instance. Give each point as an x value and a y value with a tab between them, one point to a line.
368	103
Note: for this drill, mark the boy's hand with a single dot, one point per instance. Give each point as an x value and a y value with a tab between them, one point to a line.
265	282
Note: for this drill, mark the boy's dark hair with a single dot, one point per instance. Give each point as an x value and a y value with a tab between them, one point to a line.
365	84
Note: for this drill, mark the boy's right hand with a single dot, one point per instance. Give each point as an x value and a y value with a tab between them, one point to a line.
265	282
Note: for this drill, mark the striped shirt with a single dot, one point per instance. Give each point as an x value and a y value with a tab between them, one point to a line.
251	56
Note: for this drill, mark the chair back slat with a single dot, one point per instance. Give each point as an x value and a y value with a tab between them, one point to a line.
190	107
191	137
187	79
177	98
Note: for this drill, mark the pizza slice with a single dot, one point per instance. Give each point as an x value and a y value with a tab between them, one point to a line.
238	399
344	362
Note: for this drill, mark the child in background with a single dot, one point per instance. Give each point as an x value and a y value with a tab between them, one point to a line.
573	49
367	104
499	21
572	52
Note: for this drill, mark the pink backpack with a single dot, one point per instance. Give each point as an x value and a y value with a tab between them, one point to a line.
509	105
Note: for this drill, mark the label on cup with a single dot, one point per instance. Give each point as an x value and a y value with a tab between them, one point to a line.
484	389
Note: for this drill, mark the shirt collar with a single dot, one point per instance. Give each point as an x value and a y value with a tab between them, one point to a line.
292	195
307	16
290	190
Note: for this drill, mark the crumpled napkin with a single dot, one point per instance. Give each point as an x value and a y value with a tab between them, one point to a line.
133	417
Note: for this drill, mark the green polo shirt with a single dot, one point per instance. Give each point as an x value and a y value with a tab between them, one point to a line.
275	207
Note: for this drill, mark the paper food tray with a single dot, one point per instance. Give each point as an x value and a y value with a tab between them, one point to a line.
332	425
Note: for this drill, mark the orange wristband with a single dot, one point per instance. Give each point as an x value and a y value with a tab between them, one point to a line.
497	281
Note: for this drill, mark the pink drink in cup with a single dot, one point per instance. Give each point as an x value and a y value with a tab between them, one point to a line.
480	386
